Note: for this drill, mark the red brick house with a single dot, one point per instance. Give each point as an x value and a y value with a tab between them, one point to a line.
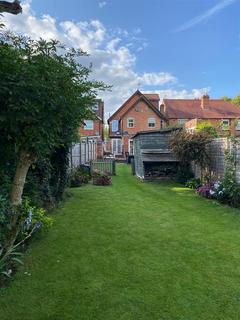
223	115
139	113
92	132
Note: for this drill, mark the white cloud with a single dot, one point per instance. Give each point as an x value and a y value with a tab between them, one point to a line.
182	94
102	4
206	15
111	53
157	79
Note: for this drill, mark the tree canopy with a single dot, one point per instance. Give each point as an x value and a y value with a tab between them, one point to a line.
45	94
10	7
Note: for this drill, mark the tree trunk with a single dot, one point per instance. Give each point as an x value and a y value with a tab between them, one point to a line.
24	163
10	7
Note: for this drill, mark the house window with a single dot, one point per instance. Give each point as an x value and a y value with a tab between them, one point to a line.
130	123
95	107
181	122
88	125
114	125
225	124
151	122
238	125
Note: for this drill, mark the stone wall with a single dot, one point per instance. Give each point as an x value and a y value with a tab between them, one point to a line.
217	159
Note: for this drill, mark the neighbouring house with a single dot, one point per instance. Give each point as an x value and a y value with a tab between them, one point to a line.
223	115
153	158
90	145
139	113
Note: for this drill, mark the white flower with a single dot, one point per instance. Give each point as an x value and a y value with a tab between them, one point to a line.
216	185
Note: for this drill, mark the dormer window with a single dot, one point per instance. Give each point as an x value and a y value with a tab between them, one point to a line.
130	122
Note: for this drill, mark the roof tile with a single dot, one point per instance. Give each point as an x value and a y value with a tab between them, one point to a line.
191	109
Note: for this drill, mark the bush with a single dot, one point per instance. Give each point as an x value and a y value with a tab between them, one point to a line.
81	175
189	147
101	178
207	128
193	183
32	220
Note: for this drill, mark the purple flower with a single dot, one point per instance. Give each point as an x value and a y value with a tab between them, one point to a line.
38	225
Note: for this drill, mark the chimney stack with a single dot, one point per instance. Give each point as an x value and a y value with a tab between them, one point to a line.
205	101
162	108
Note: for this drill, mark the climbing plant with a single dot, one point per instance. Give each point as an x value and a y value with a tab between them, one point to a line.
189	147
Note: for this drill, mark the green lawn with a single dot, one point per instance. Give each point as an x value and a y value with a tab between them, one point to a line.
131	251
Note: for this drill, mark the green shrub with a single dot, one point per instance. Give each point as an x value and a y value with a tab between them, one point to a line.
193	183
81	175
207	128
229	189
189	147
32	220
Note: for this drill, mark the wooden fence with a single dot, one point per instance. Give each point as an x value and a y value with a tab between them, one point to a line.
216	151
104	165
83	153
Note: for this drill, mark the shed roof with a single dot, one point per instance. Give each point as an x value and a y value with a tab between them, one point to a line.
162	131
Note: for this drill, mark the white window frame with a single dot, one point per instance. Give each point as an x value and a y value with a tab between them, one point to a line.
95	107
182	121
225	127
129	147
87	127
112	125
238	125
130	120
118	150
151	121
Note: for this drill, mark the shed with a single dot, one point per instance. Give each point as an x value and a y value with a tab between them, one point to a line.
153	158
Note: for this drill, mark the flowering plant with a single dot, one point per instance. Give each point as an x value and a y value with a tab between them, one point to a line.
213	190
101	178
32	219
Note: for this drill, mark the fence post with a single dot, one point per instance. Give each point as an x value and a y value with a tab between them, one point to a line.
114	167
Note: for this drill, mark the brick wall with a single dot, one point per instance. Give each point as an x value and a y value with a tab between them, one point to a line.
216	123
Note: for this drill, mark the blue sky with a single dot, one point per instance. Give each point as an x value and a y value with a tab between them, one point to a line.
178	48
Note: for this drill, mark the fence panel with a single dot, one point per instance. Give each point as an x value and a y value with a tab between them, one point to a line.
106	166
216	150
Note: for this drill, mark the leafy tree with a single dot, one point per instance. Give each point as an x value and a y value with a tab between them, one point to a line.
45	93
10	7
225	98
207	128
236	101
